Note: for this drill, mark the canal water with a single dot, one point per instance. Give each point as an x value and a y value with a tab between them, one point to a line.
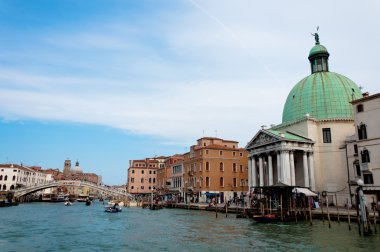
55	227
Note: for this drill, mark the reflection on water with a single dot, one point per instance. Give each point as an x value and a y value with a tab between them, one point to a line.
54	227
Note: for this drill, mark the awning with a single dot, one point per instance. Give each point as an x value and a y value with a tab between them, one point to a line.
211	194
305	191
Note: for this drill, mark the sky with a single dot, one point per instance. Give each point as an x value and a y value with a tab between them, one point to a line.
105	82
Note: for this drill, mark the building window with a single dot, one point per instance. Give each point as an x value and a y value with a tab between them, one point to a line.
142	171
150	188
365	156
133	171
234	167
4	187
6	177
221	166
235	182
1	177
150	180
355	149
142	180
233	154
207	166
368	178
150	172
132	187
241	168
132	180
142	187
154	180
241	154
362	131
326	135
360	108
221	182
358	169
220	153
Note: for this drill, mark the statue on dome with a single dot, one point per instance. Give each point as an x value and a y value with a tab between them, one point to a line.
316	36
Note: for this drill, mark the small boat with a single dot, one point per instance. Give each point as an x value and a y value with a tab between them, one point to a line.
155	207
115	208
88	202
68	203
268	218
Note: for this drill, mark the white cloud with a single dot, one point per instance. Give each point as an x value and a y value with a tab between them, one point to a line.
183	74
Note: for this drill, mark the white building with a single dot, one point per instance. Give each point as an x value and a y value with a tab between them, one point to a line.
13	176
308	147
363	149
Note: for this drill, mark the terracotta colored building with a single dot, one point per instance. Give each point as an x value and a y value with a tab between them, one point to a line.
167	178
215	168
142	175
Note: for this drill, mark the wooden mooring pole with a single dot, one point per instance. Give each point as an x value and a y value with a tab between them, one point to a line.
310	216
348	216
328	213
337	209
323	215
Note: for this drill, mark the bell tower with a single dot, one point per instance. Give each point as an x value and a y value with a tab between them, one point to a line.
67	167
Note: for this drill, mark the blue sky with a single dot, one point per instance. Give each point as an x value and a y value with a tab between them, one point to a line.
109	81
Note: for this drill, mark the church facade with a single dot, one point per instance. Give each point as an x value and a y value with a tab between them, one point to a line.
308	148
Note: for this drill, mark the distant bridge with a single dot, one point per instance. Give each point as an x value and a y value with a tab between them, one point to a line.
31	189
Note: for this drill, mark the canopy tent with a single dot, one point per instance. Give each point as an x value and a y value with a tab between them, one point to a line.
305	191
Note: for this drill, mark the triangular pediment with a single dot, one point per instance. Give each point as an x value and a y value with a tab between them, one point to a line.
262	138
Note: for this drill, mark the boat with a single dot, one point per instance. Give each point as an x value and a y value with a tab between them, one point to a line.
88	202
68	203
6	199
112	208
268	218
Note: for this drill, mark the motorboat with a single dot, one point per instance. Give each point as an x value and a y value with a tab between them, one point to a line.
113	208
68	203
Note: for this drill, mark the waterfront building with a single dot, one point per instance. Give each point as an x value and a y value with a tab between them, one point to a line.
142	174
214	168
13	176
77	173
307	148
169	179
363	148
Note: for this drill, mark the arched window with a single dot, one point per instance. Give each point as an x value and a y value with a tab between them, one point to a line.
12	187
207	182
221	182
221	166
6	177
1	177
362	131
207	166
365	156
234	167
4	187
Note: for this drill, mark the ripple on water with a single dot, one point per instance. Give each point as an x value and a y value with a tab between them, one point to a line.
54	227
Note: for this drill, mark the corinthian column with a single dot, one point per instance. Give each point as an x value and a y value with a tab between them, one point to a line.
249	173
311	169
292	170
305	169
261	171
254	172
270	167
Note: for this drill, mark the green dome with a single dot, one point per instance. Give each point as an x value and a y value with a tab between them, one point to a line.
318	49
322	95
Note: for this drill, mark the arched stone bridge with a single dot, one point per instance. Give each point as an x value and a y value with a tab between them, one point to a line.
31	189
